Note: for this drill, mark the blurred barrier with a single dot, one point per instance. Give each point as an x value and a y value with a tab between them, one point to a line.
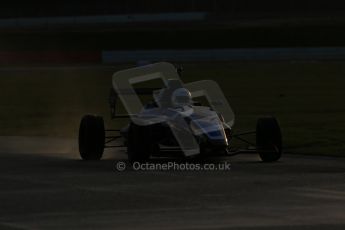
319	53
147	56
50	57
48	22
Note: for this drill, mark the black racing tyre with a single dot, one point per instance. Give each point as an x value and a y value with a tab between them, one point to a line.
91	137
141	144
268	139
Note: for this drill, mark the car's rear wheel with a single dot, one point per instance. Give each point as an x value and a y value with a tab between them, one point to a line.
141	144
91	137
268	139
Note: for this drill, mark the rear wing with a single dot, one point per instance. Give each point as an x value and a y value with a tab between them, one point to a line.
113	100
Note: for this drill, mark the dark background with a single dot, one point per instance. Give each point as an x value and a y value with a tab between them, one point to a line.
237	8
228	24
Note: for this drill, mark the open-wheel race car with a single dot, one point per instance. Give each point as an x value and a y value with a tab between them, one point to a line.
173	124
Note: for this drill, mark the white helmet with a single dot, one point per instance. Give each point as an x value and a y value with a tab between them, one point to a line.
181	97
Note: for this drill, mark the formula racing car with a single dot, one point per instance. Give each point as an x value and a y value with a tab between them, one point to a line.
173	124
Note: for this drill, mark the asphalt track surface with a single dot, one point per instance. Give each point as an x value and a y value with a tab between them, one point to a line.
44	185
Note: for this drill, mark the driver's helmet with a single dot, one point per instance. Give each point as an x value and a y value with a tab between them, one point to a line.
181	97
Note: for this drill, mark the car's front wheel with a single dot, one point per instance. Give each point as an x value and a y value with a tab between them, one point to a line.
91	137
141	144
268	139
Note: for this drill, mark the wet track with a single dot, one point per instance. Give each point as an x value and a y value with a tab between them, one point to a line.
45	186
